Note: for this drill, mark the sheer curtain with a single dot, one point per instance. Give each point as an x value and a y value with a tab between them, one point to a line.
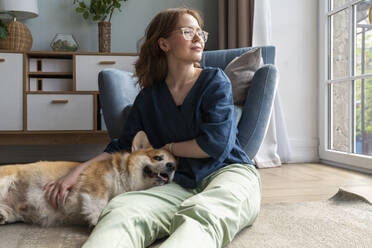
245	23
275	148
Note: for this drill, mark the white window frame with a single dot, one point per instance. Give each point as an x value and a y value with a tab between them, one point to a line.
342	159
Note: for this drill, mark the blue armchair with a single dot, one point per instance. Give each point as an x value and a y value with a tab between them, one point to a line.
253	119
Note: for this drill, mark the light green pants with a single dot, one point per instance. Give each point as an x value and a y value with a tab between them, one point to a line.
208	216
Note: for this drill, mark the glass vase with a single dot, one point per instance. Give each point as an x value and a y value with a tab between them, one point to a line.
64	43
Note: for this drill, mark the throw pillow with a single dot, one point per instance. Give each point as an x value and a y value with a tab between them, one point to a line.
240	72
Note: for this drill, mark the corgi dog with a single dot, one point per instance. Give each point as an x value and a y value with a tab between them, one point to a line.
22	196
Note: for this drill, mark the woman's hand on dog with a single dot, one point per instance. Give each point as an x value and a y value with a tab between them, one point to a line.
55	191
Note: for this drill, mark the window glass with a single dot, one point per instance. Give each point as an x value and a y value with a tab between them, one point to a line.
340	44
341	113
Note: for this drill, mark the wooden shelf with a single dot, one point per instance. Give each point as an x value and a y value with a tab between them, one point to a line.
36	54
57	132
50	74
52	54
53	137
63	92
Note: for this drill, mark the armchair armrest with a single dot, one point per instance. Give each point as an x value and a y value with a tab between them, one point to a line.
117	91
257	109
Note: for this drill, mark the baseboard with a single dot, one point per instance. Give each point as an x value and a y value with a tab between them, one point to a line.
345	166
27	154
304	150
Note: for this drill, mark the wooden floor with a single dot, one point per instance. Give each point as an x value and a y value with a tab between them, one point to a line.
311	182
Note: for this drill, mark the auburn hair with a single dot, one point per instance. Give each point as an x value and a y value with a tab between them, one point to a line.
151	66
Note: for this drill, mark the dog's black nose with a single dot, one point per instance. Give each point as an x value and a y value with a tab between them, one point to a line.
170	166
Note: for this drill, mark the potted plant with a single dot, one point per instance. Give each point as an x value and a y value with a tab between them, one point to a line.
100	11
3	30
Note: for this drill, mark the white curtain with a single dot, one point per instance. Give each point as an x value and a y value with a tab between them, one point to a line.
275	148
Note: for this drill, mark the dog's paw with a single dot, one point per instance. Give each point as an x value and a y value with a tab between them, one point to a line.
91	218
93	221
2	218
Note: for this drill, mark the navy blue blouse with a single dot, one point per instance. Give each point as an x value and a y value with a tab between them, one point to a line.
206	114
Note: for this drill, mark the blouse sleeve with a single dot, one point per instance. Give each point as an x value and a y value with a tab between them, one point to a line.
132	125
218	130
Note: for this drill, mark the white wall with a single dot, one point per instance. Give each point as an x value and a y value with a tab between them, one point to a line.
294	33
127	27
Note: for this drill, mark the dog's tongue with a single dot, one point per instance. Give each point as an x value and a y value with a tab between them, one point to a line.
165	179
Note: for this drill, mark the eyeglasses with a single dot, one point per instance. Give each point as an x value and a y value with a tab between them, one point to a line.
189	34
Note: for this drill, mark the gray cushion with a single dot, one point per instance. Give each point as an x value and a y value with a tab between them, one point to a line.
240	72
118	89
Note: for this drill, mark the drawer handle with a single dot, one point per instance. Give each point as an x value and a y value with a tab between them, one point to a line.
59	101
2	60
107	62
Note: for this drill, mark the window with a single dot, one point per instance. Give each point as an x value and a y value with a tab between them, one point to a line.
345	75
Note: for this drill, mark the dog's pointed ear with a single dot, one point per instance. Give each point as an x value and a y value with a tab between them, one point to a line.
140	141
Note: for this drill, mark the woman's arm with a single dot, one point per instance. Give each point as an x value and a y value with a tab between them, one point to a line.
217	129
55	191
186	149
217	132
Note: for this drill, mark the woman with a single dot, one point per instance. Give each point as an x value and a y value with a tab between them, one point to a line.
189	111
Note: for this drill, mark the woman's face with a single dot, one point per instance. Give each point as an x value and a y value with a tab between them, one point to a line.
178	47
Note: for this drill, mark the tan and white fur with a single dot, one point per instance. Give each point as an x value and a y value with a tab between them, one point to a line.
22	197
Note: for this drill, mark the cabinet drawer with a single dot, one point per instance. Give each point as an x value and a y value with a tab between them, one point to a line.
11	92
60	112
88	67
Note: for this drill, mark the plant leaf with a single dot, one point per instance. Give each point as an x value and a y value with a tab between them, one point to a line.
79	10
2	34
86	15
98	9
3	30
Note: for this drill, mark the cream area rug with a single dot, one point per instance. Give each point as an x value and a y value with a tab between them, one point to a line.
345	220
